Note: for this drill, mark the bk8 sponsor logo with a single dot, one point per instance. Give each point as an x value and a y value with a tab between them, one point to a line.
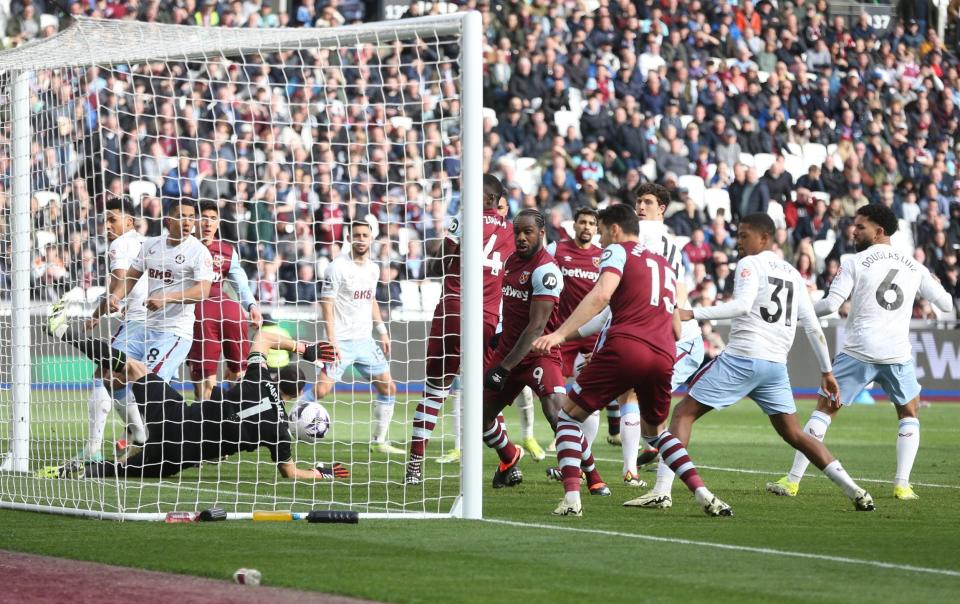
366	294
165	276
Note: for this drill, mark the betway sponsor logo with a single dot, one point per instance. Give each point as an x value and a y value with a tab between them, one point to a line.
512	292
942	360
936	356
579	273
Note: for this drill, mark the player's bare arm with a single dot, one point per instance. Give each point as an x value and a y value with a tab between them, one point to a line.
818	342
119	288
190	295
326	311
540	311
383	335
591	305
103	308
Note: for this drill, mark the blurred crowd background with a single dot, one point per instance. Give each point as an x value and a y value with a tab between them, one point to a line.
736	107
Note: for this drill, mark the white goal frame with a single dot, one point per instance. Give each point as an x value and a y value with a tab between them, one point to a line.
92	42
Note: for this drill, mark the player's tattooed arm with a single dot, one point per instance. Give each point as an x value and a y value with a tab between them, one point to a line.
540	311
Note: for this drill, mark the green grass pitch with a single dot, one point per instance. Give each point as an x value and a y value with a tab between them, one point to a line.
611	554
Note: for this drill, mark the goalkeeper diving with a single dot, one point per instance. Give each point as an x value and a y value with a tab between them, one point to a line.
245	417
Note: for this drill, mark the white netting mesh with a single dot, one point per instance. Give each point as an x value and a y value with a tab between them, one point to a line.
292	134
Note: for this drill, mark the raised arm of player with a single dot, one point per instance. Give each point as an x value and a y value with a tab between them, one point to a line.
119	288
746	287
238	280
840	290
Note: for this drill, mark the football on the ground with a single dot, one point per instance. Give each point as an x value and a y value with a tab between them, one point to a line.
309	421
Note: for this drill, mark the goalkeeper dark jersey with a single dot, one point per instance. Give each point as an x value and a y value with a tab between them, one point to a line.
245	417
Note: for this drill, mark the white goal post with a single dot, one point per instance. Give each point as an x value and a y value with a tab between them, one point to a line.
76	113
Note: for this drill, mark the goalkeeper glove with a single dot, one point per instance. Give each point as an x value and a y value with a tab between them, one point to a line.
337	470
324	352
496	378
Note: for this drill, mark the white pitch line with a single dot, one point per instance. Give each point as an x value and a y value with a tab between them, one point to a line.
769	473
739	548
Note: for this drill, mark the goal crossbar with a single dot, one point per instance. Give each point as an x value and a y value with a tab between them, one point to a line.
91	41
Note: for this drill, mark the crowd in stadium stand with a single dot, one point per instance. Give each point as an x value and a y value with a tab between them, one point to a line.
771	106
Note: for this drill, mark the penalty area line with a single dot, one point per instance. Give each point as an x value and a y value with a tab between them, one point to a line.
738	548
819	475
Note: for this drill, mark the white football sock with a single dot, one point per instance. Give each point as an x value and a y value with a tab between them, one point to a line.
816	427
382	416
454	408
665	476
703	495
839	476
98	409
591	426
908	442
524	405
126	407
630	436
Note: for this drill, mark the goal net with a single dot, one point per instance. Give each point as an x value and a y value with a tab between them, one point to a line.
291	135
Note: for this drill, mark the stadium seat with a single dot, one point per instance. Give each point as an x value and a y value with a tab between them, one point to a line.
649	170
430	292
139	189
410	296
694	186
576	100
793	148
712	170
681	241
490	114
528	174
763	161
814	153
44	198
567	226
902	240
775	210
822	195
564	119
794	165
747	159
685	120
717	199
401	122
763	76
43	239
821	249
